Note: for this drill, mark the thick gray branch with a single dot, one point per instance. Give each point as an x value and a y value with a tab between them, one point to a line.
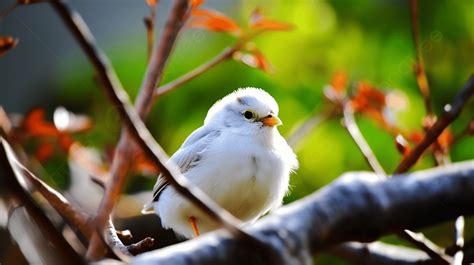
356	207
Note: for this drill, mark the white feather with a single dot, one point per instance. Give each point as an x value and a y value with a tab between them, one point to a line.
242	165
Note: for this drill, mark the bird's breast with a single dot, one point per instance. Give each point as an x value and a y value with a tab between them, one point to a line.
248	178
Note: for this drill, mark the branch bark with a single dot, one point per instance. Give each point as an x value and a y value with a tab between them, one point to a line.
450	112
379	253
356	207
224	55
135	128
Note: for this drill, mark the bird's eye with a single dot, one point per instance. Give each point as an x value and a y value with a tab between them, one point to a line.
249	115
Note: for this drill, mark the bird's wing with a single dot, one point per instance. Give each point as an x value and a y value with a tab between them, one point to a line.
187	157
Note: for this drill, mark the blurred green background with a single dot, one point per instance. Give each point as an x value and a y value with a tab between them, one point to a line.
369	40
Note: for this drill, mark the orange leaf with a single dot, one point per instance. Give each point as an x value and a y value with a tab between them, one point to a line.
259	21
35	125
339	81
6	44
446	138
143	165
44	151
368	98
196	3
254	59
66	142
151	3
213	20
416	137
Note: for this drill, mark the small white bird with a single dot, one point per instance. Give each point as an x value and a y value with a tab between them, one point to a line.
238	158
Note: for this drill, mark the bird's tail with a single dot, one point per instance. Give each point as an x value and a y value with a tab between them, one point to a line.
148	208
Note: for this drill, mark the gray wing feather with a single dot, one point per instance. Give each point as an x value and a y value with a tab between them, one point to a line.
188	155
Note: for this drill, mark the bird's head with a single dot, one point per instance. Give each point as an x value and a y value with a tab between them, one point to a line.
247	109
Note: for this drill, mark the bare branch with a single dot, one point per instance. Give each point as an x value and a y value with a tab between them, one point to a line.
379	253
356	207
417	239
423	243
459	240
364	147
150	33
114	241
450	112
305	128
74	216
137	128
468	130
4	13
224	55
34	233
420	73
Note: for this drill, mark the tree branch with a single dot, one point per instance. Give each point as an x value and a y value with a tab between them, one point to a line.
305	128
379	253
113	240
137	128
34	233
224	55
353	129
420	73
356	207
450	112
418	239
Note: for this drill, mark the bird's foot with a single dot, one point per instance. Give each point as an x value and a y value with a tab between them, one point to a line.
193	222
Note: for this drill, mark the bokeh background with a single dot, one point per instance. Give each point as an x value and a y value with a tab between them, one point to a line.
369	40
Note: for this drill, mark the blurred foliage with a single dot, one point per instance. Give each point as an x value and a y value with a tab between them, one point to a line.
370	40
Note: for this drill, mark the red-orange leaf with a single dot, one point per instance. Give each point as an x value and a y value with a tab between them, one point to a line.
6	44
259	21
196	3
339	81
151	3
254	59
35	125
446	138
416	137
213	20
368	98
44	151
66	142
143	165
262	62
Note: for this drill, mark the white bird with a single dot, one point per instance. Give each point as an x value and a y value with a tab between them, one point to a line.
238	158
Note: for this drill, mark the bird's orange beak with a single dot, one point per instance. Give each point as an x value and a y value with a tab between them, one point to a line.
271	121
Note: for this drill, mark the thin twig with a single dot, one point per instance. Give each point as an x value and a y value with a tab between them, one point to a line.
150	34
450	112
420	73
459	240
112	239
417	239
468	130
305	128
4	13
440	154
74	216
221	57
137	128
224	55
423	243
364	147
